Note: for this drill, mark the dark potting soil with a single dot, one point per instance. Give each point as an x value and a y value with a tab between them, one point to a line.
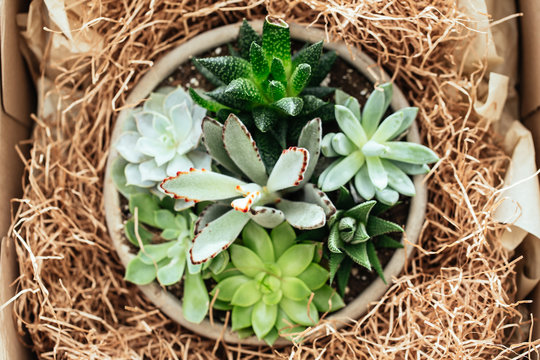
343	77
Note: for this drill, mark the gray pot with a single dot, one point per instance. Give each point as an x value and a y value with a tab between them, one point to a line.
171	305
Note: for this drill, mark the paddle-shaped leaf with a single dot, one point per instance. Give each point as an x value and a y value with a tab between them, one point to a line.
296	259
195	300
302	215
289	169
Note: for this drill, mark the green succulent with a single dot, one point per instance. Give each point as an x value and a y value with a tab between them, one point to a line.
265	85
370	153
272	281
166	260
352	234
159	139
266	199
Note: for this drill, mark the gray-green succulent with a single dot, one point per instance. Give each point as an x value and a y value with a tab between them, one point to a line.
369	151
272	281
159	139
165	257
266	199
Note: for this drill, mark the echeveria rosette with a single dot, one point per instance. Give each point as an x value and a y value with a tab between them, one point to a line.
369	151
266	199
352	234
165	261
270	290
159	139
265	83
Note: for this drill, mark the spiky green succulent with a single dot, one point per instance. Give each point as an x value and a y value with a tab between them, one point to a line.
266	85
369	151
159	139
271	283
165	257
266	199
352	235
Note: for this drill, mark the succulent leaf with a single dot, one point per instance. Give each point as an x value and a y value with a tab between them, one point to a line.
241	317
247	294
294	288
266	216
374	260
263	318
296	310
226	68
289	169
258	240
213	141
299	79
246	37
398	180
342	172
290	105
302	215
226	288
310	139
309	55
409	153
259	64
296	259
327	299
276	40
314	276
373	111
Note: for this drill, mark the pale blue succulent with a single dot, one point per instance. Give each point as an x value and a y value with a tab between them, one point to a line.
161	138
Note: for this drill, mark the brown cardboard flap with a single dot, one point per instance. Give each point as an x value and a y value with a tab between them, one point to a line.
530	46
17	92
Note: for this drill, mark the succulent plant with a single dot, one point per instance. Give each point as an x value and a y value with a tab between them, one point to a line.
159	139
369	151
166	260
273	280
352	233
267	199
265	85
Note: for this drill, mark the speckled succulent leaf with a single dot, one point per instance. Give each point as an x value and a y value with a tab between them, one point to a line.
289	169
246	37
265	118
309	55
361	211
289	105
201	185
226	68
206	102
335	243
374	260
232	103
296	310
335	260
244	89
398	180
327	299
217	236
243	150
213	141
410	153
310	139
276	40
315	276
342	172
259	63
299	79
358	253
322	69
387	242
277	70
269	148
266	216
302	215
377	226
207	74
195	300
373	111
257	239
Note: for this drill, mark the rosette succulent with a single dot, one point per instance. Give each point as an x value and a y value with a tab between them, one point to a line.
265	85
159	139
352	233
266	199
166	261
273	280
369	151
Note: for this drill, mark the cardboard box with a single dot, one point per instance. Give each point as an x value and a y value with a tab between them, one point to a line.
17	102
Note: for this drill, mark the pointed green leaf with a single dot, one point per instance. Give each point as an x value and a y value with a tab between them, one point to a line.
387	196
373	111
294	288
213	141
243	150
140	273
363	184
352	104
276	90
289	105
345	199
229	99
342	172
359	254
283	237
245	260
350	125
226	68
244	89
246	37
411	169
374	260
314	276
343	275
326	62
335	243
276	40
259	64
221	305
296	259
309	55
361	211
302	215
376	172
360	235
398	180
145	235
263	318
241	317
300	312
377	226
265	118
146	205
247	294
271	337
289	169
342	145
299	79
334	263
277	69
207	74
388	90
195	301
256	238
154	253
228	287
170	234
387	242
409	114
201	185
327	299
411	153
389	127
217	236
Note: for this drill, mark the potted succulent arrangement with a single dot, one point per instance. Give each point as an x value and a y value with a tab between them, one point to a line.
258	196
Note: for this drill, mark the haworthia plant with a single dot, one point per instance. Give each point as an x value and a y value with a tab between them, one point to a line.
159	139
277	286
166	261
368	151
266	84
352	234
264	198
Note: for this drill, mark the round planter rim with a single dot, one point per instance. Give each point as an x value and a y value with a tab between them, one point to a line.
163	68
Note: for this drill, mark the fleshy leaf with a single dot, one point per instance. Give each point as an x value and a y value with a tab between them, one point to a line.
342	145
387	242
398	180
145	235
373	111
241	317
283	237
265	118
266	216
154	253
289	169
217	236
342	172
314	276
146	205
246	37
374	260
411	153
323	67
140	273
412	169
350	125
335	243
327	299
318	197
226	288
326	145
213	141
243	150
271	337
296	259
195	301
359	254
125	147
244	89
220	262
277	69
361	211
310	139
300	312
258	62
247	294
290	105
309	55
226	68
363	184
172	272
389	127
299	79
387	196
206	102
276	40
257	239
294	288
246	260
209	214
263	318
302	215
376	172
409	113
377	226
276	90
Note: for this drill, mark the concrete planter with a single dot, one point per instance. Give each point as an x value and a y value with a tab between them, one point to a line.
171	305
